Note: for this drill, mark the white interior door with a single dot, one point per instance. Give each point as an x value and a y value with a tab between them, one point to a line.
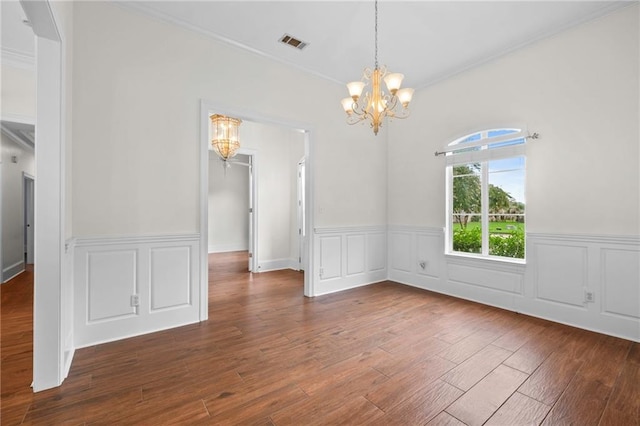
29	193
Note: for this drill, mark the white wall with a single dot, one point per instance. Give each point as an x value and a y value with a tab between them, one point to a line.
136	125
18	90
228	205
13	205
579	90
279	150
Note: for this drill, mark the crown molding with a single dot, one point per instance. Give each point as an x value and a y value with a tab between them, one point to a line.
144	10
18	59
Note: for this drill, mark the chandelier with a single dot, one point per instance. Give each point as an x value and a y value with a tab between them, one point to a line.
224	131
376	105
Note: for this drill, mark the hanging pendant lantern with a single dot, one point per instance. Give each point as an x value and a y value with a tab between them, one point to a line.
224	139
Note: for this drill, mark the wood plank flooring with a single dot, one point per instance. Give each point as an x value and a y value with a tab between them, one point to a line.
385	354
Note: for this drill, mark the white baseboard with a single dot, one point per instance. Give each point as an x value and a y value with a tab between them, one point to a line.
224	248
277	265
12	271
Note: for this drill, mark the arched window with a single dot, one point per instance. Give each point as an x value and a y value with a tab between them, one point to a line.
486	194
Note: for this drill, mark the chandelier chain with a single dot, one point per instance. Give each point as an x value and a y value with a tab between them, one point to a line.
376	33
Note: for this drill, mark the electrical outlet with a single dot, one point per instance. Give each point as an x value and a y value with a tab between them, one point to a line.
135	300
589	296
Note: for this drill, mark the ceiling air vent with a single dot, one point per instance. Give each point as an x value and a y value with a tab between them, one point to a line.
293	42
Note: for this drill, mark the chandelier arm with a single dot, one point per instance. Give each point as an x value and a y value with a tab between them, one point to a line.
392	102
402	114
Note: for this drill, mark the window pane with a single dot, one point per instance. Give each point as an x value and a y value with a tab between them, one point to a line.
467	208
513	163
506	207
506	185
467	169
472	138
467	233
466	191
506	235
518	141
500	132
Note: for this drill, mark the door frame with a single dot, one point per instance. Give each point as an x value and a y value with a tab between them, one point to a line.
50	302
253	207
300	208
206	109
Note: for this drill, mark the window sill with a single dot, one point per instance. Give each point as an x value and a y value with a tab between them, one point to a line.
503	263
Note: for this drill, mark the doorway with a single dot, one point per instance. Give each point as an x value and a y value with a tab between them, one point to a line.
28	191
232	209
304	136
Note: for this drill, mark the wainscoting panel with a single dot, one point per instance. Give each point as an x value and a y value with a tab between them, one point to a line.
402	258
485	277
377	251
416	256
348	257
429	254
134	285
330	257
170	277
355	254
620	286
111	281
561	273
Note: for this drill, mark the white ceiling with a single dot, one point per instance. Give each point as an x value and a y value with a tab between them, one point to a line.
426	40
15	36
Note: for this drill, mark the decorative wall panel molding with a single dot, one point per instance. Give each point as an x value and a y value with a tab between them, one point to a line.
170	281
349	257
111	280
134	285
355	254
560	272
620	282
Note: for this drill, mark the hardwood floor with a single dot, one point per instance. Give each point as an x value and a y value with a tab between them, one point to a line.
382	355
